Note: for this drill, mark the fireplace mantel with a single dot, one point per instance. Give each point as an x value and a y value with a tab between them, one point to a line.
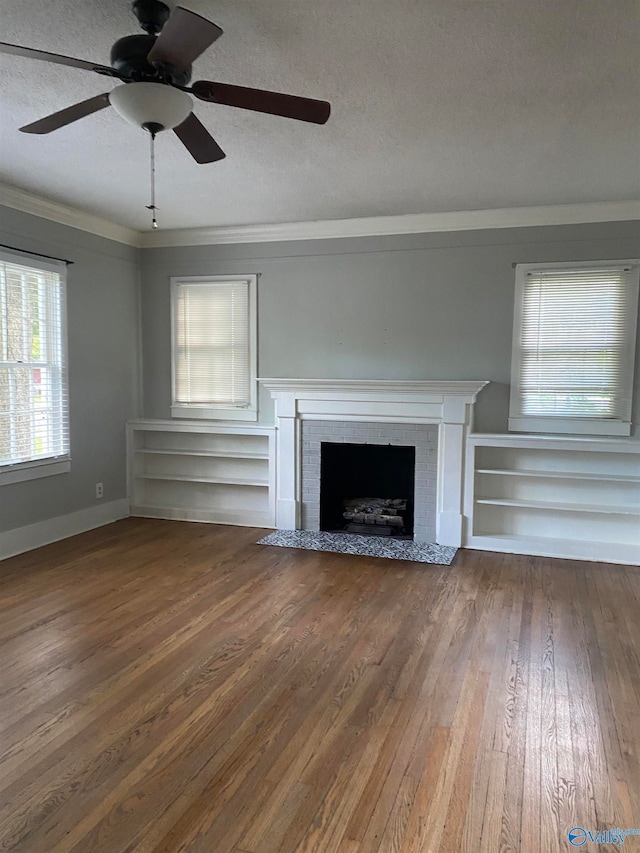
385	386
446	403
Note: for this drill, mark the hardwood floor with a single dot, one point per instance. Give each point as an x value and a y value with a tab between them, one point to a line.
169	687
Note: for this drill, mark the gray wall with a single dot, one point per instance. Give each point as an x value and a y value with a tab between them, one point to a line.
432	306
429	306
103	324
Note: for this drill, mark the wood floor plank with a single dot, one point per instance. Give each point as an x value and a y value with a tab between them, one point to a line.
519	669
490	656
170	687
427	782
550	830
463	781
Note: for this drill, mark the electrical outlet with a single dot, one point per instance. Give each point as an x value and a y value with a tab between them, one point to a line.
99	490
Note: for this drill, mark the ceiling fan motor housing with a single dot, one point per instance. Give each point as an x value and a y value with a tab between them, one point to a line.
129	58
152	14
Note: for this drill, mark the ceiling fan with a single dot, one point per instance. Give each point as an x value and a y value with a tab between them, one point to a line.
155	71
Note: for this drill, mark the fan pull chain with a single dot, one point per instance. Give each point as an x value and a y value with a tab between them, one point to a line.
152	207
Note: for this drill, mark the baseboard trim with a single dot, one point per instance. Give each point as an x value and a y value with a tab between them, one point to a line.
32	536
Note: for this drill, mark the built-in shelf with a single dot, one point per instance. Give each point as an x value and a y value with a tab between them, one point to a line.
557	546
240	518
201	472
561	475
222	454
554	496
561	507
222	481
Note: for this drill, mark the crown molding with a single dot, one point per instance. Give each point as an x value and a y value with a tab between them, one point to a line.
379	226
323	229
65	215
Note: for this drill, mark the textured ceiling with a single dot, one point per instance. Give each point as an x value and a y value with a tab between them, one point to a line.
437	105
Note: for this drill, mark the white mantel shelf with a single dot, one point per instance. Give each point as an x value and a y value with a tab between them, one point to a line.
446	403
411	386
385	387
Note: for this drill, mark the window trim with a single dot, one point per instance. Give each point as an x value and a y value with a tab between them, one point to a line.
220	411
46	466
19	472
568	425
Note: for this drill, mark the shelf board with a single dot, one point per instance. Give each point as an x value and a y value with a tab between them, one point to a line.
549	546
222	481
560	507
569	443
239	517
142	425
222	454
560	475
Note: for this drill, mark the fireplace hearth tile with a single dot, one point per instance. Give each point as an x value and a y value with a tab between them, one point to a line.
366	546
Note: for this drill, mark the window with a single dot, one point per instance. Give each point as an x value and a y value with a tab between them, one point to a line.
34	409
214	347
574	347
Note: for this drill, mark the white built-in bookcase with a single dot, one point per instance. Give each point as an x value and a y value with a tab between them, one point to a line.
554	496
194	471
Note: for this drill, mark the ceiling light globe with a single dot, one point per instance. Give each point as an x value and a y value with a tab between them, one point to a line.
155	104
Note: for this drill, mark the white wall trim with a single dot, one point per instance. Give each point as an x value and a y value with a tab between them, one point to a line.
53	529
322	229
54	211
379	226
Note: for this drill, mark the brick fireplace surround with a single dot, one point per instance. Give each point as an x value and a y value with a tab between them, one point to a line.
434	417
424	437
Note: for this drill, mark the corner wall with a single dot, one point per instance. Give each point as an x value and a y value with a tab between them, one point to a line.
103	347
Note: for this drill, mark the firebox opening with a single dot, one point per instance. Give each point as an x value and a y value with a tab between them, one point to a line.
367	488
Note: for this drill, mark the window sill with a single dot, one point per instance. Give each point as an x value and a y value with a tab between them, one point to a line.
214	414
570	426
33	470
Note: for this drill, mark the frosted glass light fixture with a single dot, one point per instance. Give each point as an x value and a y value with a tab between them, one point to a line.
153	106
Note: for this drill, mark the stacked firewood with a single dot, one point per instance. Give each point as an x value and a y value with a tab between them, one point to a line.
375	511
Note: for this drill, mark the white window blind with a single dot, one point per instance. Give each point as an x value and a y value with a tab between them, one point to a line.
34	406
574	345
213	347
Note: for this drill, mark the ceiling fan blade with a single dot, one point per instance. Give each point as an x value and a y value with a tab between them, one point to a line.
198	141
66	116
262	101
58	58
183	38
